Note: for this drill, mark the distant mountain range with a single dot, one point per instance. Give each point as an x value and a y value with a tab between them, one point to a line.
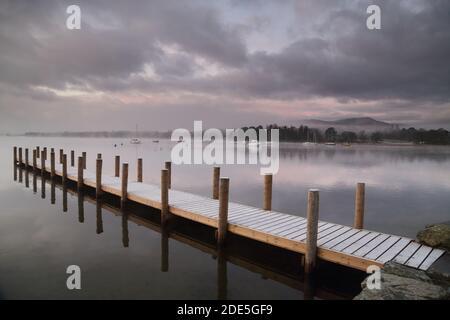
351	124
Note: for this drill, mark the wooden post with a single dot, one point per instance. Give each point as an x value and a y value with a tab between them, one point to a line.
52	150
98	190
20	156
15	156
64	169
99	155
34	160
359	206
84	160
38	152
61	152
312	216
139	170
164	196
117	167
72	158
267	203
124	184
223	210
169	173
52	164
42	163
45	152
26	158
80	173
216	177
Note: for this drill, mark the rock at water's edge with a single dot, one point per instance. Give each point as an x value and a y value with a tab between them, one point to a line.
436	235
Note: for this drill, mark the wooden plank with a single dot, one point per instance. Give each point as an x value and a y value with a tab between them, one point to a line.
365	249
298	222
270	224
323	227
268	221
432	257
382	248
407	252
300	232
333	235
394	250
344	244
331	243
361	242
419	256
285	224
260	218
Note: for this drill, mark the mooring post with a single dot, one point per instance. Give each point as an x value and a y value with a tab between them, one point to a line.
312	216
61	152
72	158
168	165
52	164
139	170
359	206
38	152
64	169
20	157
42	163
34	160
84	159
267	203
164	196
216	177
99	155
124	184
52	150
117	166
26	158
223	211
98	178
15	156
80	174
45	152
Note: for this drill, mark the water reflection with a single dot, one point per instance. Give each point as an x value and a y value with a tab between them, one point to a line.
125	238
99	218
52	191
80	207
164	248
64	195
222	276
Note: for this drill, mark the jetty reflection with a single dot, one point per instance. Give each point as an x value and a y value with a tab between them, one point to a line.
271	266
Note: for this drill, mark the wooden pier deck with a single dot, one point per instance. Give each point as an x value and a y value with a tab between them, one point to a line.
344	245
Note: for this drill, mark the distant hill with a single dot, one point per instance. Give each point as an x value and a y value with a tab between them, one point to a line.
351	124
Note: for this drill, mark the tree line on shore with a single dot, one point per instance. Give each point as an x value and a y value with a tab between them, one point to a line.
306	134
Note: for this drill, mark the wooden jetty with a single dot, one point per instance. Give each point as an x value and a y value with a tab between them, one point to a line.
353	247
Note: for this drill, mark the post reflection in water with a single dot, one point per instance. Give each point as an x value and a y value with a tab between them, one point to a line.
52	192
164	248
308	287
20	174
98	204
43	187
64	194
15	172
27	178
222	275
34	182
80	207
125	239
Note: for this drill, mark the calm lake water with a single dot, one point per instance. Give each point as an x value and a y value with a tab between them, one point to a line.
406	188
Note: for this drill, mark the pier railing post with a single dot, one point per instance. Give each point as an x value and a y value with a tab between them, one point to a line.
80	174
223	211
216	177
45	153
359	206
168	166
72	158
64	169
26	158
139	170
98	177
34	160
52	164
164	196
99	155
84	159
267	203
117	167
20	157
42	163
15	156
312	217
123	199
38	152
61	152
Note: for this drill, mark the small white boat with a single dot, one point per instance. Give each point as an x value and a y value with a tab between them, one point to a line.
135	141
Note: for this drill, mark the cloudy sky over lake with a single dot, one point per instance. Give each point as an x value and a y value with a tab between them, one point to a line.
163	64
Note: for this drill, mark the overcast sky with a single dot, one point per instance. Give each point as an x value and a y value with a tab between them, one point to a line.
162	64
